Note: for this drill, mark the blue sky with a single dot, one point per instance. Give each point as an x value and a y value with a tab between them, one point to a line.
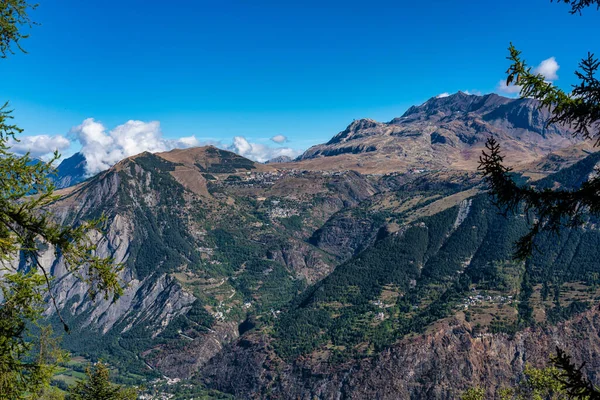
223	68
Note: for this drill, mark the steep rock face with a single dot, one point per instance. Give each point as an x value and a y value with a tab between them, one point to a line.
302	258
437	365
150	301
345	234
146	214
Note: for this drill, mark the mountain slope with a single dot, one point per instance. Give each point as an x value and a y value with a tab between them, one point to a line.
207	238
394	320
442	133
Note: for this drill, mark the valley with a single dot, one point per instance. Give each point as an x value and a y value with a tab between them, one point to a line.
374	263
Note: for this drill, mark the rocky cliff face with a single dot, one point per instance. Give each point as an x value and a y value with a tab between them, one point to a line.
441	364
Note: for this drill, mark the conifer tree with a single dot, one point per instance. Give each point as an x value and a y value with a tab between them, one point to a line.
579	109
27	226
97	386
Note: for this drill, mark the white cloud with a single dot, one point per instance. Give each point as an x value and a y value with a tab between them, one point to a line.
259	152
279	139
548	69
39	146
442	95
102	149
508	89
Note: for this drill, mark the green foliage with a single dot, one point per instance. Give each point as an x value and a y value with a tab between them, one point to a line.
25	227
51	393
561	380
339	309
97	386
293	223
268	281
578	5
14	16
473	394
535	384
431	265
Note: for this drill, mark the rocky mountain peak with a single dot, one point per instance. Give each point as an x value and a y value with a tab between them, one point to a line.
279	160
362	125
459	102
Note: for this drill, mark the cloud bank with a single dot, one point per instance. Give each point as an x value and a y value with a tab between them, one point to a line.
39	146
103	148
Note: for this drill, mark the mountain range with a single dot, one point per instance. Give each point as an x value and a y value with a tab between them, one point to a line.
372	266
447	132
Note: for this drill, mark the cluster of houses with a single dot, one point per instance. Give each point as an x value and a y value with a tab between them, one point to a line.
381	304
251	178
478	298
280	212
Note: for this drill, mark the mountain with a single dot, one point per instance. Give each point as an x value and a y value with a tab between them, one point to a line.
312	278
70	171
429	310
442	133
447	132
279	159
207	238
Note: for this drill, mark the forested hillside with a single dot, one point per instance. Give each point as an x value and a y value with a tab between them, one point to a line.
325	267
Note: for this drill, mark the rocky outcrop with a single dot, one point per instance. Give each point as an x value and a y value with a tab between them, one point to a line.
185	358
437	365
345	234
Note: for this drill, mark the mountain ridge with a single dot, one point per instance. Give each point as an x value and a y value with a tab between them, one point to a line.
447	132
